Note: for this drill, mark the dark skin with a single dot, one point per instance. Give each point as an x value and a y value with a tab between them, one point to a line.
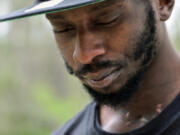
92	34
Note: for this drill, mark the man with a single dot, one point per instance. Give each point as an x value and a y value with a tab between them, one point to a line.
121	52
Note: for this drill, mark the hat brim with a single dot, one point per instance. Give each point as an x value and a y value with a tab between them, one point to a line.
43	8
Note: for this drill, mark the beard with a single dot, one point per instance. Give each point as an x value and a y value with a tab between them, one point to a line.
144	52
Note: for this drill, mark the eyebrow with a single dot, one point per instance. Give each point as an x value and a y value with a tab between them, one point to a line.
99	6
103	5
54	17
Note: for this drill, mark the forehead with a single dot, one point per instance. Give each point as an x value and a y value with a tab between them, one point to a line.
90	9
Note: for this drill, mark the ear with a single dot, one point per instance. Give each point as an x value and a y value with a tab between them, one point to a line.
165	9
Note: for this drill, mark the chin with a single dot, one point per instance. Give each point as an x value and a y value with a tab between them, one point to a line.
116	86
111	84
118	93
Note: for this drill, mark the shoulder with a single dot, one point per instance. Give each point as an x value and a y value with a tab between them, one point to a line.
78	122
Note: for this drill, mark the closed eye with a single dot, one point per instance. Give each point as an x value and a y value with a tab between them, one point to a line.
108	22
59	31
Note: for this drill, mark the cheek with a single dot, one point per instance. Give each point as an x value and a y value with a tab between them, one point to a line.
122	39
66	49
125	35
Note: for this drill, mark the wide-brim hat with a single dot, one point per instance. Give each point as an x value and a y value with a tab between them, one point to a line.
47	6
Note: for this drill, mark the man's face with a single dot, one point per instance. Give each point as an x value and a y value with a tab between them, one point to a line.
107	45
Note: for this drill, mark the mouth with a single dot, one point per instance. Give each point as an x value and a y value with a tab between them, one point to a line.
102	78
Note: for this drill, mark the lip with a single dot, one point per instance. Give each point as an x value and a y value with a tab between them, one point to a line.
102	78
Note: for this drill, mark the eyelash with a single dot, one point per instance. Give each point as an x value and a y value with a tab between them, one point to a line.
62	31
108	23
98	24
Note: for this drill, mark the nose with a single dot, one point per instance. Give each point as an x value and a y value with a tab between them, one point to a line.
88	46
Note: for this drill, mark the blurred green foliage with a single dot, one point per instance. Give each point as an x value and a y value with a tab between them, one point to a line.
36	93
30	102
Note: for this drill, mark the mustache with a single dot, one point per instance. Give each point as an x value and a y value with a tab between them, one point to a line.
90	68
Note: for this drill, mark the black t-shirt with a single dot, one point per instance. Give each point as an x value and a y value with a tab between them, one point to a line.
87	123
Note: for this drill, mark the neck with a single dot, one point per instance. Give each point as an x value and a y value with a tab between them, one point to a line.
160	83
159	87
